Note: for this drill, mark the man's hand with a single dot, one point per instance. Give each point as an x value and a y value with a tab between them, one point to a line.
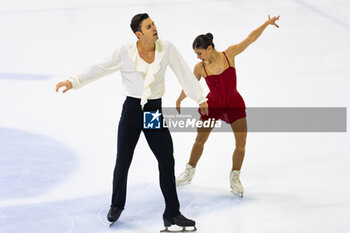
273	20
204	108
66	84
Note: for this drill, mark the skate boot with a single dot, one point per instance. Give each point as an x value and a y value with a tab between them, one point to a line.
113	215
236	186
186	176
180	221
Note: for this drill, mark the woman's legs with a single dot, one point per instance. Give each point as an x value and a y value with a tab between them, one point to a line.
239	128
197	149
198	146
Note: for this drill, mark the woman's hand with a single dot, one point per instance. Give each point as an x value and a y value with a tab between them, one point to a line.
273	20
204	108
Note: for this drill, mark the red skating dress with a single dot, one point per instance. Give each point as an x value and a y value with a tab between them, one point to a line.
224	101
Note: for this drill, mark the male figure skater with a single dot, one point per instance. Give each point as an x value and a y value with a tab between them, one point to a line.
142	66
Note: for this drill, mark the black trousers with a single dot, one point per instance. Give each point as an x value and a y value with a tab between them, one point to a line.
160	142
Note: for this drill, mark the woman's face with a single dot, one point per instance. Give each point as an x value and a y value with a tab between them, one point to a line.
203	54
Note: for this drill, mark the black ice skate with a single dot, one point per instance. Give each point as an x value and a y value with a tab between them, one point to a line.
180	221
113	215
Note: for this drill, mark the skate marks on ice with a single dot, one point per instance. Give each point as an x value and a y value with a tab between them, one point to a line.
196	200
76	215
325	13
39	218
24	76
31	164
144	208
143	211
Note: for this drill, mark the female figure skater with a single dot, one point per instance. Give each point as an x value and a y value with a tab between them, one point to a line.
224	101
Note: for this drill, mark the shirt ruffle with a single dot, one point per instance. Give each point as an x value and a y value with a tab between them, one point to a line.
148	69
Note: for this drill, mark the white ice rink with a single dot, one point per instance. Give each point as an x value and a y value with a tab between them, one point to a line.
57	151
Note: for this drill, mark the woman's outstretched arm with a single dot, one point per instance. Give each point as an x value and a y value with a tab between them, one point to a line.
253	36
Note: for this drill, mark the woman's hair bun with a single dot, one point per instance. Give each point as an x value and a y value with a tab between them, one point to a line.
203	41
210	35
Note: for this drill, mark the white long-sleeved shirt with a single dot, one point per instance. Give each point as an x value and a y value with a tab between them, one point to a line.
140	79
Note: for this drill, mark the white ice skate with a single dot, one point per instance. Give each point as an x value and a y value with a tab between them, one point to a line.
236	186
186	176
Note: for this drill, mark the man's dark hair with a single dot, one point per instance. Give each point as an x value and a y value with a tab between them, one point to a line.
136	22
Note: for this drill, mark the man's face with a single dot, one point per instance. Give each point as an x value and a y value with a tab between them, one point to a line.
148	30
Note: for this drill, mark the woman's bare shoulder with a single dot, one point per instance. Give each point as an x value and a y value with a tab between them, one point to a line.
198	70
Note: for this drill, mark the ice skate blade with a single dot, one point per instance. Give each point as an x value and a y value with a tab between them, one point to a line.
182	184
111	224
184	229
237	194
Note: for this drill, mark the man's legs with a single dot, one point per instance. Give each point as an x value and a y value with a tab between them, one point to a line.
161	145
129	130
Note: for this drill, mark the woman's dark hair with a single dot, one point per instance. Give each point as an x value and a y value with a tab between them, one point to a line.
136	22
203	41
